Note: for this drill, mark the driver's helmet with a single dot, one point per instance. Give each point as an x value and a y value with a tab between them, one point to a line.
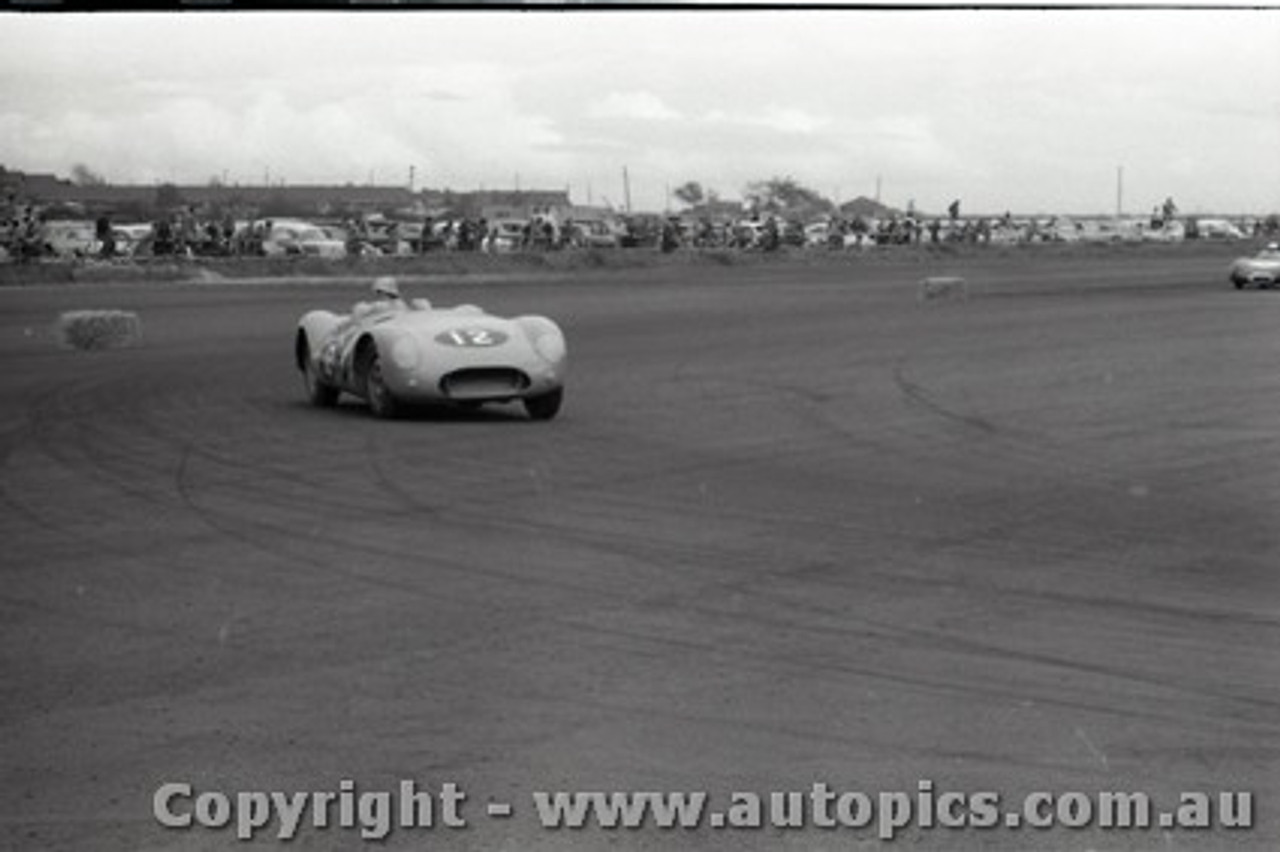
386	288
1273	247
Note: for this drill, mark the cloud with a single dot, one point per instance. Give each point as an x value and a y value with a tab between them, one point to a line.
639	106
1005	109
788	120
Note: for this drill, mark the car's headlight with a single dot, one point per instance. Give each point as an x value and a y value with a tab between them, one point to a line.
404	353
550	346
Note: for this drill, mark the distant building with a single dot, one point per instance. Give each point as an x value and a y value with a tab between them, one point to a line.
319	200
588	213
867	208
517	204
718	210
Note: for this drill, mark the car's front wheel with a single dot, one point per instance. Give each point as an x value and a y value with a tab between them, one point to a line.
544	406
381	401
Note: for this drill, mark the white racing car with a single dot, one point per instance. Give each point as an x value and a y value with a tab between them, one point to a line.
1262	270
391	352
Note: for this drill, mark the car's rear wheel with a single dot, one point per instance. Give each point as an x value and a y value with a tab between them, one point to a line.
544	406
381	401
319	393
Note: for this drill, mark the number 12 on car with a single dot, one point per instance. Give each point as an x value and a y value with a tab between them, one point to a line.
471	337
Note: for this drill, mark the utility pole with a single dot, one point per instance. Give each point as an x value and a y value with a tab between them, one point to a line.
626	188
411	170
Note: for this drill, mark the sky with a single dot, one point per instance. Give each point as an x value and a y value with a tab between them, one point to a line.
1029	110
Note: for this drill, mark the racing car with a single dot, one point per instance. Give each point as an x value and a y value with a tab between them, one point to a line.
392	353
1262	270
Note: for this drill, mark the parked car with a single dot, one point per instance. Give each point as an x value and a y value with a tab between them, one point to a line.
821	235
1217	229
817	234
296	237
506	235
594	233
127	238
70	237
1061	230
1169	232
748	233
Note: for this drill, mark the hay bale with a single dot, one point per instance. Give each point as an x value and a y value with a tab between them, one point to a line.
99	329
943	287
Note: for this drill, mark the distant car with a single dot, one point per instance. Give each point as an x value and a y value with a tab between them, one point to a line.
382	236
594	233
1262	270
506	235
1217	229
1113	230
127	239
748	233
71	238
395	353
821	235
817	234
1168	232
292	237
1061	230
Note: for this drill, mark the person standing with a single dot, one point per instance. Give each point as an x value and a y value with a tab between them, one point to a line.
106	239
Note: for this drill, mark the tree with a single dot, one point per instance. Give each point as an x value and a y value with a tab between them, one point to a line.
690	193
785	196
279	203
82	175
168	197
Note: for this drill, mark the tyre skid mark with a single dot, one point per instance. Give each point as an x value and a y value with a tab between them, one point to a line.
276	540
799	666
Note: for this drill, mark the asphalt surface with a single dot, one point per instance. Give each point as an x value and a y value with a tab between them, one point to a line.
792	526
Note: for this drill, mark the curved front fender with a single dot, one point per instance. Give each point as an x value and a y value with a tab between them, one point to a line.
318	326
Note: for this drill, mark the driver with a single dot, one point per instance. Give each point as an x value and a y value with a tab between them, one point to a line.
386	291
386	298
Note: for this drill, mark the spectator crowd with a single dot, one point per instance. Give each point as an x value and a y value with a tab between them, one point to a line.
28	233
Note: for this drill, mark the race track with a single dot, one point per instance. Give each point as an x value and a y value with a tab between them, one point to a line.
792	526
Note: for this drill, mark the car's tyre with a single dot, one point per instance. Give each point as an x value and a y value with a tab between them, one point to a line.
1239	284
544	406
381	401
319	393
